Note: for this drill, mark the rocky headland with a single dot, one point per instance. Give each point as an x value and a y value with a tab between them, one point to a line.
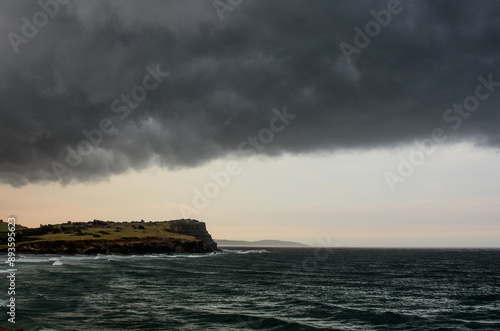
106	237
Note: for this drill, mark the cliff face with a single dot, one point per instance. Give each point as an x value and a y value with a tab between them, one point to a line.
195	229
118	246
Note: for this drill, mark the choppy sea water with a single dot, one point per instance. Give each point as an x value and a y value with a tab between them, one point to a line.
271	289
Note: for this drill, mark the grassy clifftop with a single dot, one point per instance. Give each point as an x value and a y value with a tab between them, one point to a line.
4	228
95	230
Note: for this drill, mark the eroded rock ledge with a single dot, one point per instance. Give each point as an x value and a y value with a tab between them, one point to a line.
146	245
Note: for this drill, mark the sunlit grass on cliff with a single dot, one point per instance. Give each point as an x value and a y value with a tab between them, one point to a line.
4	226
109	231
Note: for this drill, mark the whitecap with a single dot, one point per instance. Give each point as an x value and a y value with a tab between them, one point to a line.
249	251
28	260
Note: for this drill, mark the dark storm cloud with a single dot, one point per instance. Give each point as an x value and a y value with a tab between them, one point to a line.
225	77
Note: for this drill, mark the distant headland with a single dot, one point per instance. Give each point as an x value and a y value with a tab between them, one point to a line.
108	237
259	243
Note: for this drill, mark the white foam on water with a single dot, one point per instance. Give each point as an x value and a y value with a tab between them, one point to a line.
250	251
32	260
139	257
76	257
47	258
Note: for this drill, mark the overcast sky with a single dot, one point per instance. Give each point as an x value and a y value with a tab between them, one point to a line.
374	123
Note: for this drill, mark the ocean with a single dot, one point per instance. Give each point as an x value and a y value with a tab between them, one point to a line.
261	289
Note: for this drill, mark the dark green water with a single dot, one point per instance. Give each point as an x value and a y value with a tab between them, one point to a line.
273	289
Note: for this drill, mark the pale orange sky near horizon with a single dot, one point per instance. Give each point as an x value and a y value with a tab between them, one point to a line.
340	198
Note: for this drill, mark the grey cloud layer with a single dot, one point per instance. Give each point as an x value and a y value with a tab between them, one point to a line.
226	77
